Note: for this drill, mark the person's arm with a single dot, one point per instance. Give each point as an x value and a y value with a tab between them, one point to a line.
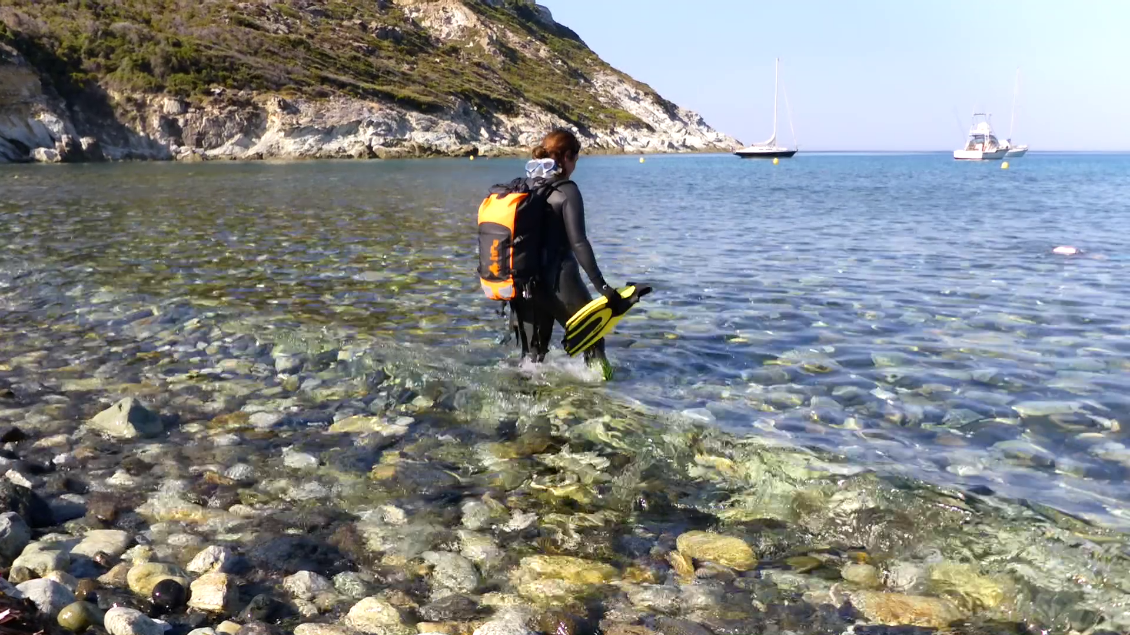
573	213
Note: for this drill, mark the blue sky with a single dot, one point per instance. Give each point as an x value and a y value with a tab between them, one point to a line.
879	74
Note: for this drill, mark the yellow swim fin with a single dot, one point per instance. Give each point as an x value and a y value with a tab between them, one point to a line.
596	319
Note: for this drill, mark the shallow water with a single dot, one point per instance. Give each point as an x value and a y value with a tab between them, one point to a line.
903	311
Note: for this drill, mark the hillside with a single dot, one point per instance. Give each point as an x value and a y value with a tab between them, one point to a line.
127	79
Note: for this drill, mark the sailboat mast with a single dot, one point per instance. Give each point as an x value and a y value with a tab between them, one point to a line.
776	79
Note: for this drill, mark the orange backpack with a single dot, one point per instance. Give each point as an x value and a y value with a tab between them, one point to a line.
511	232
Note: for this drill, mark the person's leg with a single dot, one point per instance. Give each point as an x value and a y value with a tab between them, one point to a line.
570	296
524	328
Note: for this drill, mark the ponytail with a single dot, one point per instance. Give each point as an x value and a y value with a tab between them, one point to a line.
558	145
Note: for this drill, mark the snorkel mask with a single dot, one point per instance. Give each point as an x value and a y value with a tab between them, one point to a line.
542	169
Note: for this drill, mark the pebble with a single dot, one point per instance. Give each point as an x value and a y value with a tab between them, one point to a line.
214	593
305	585
240	472
228	628
296	460
863	575
213	558
50	596
127	419
142	578
79	616
42	561
450	608
14	535
350	584
168	594
63	578
905	610
724	550
322	629
452	571
126	621
373	615
111	541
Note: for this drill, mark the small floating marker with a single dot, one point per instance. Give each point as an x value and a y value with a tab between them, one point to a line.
472	157
776	160
1004	166
641	159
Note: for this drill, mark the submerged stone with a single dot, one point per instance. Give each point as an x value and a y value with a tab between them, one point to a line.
79	616
127	419
142	578
725	550
965	586
168	594
863	575
452	571
905	610
214	593
126	621
376	616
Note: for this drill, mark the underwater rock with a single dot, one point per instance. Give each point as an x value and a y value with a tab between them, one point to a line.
351	585
143	577
211	559
725	550
214	593
168	595
451	608
965	586
322	629
452	571
30	506
863	575
291	554
79	616
560	579
48	595
305	585
376	616
14	535
113	542
126	621
905	610
127	419
40	560
358	424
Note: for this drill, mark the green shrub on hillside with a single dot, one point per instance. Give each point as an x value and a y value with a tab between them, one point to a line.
312	48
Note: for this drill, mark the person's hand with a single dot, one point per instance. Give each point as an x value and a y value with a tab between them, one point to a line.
616	302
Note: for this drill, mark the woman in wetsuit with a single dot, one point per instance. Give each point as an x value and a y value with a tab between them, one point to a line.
560	292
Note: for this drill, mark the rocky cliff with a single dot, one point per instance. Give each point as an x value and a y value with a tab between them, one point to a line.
202	79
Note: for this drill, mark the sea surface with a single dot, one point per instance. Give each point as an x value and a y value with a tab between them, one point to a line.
902	314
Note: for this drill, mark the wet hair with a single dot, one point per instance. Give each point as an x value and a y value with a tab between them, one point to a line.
558	145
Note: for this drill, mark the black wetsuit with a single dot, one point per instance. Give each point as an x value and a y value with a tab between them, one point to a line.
559	292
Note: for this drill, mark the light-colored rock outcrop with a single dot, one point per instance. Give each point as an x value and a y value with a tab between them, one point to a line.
36	124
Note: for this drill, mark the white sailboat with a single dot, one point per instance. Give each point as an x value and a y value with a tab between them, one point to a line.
1021	150
982	145
769	148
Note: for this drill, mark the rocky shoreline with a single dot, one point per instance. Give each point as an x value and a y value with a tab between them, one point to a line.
37	126
168	471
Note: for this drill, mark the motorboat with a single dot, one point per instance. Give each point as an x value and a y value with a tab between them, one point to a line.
982	144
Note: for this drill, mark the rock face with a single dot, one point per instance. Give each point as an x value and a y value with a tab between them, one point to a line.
611	111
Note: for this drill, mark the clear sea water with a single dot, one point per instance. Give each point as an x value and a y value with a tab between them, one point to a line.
904	311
